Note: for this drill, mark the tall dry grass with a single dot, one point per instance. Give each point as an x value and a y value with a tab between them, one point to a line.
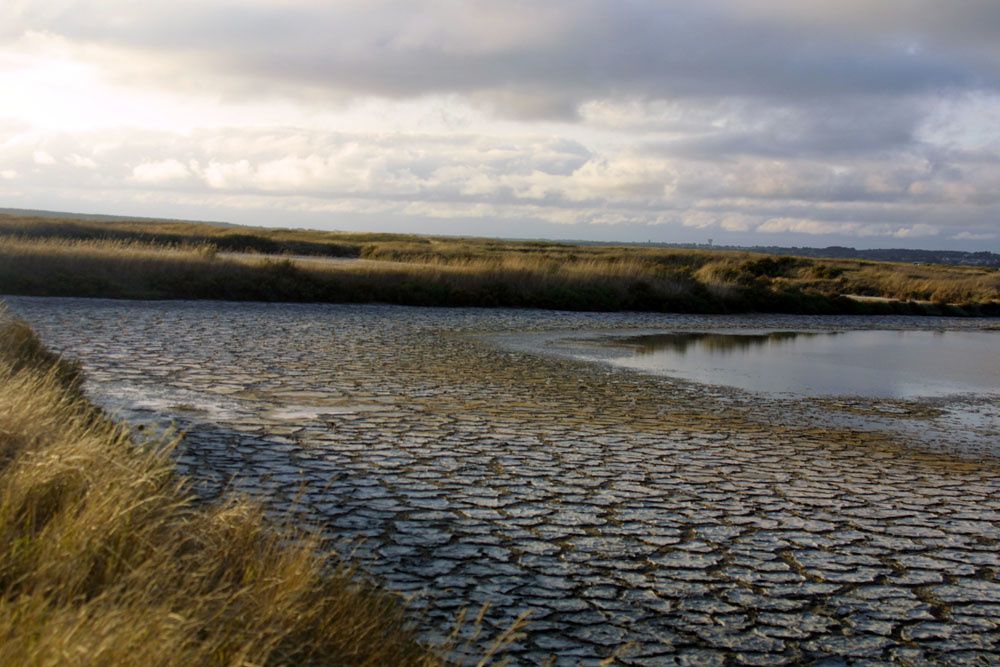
140	270
227	238
926	283
460	272
126	269
106	560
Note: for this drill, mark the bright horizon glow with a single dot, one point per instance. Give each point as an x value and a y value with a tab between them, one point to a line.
750	122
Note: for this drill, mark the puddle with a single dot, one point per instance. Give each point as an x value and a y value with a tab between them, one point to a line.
870	363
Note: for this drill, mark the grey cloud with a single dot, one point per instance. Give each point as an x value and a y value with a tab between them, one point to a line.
969	23
561	53
832	129
723	115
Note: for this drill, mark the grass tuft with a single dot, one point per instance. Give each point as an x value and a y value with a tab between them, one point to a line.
105	559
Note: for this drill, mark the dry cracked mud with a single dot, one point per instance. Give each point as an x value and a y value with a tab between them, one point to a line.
657	521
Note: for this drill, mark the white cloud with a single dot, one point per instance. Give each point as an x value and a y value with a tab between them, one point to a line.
736	222
160	171
974	236
801	226
820	227
699	219
43	158
81	161
222	175
916	231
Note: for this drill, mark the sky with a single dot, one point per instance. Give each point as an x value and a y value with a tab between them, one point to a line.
869	123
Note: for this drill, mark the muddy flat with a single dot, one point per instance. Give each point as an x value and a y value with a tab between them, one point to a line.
472	456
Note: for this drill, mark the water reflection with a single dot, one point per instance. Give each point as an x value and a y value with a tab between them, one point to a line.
712	342
879	363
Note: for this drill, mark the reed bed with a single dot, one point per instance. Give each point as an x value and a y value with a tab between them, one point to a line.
134	270
433	271
105	559
170	233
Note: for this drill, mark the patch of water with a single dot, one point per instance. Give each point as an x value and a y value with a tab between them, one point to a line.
870	363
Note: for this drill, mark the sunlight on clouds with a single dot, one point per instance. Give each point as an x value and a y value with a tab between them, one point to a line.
51	88
43	158
53	84
690	120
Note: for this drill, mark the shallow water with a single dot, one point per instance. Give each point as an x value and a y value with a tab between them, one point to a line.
872	363
471	458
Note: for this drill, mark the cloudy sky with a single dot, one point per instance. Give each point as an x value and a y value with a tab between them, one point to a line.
873	123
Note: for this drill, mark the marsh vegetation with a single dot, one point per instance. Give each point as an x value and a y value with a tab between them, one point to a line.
41	256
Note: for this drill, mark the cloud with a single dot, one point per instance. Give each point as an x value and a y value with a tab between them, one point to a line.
530	59
753	120
777	225
916	231
817	227
973	236
43	158
489	180
924	23
81	161
160	171
868	124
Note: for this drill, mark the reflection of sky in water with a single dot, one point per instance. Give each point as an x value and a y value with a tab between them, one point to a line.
900	364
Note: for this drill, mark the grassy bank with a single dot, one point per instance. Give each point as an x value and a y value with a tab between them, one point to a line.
105	560
136	260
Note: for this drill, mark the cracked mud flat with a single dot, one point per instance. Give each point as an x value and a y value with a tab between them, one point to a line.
670	522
